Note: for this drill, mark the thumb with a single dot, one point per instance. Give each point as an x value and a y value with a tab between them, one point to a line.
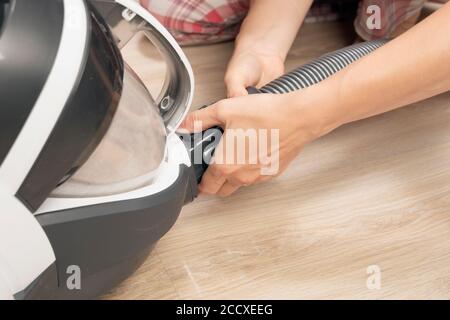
201	120
236	86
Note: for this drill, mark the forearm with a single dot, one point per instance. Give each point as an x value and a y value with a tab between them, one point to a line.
411	68
272	25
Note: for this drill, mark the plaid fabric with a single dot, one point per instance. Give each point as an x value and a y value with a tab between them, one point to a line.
397	16
199	21
209	21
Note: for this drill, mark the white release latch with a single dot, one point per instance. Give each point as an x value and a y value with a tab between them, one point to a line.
129	14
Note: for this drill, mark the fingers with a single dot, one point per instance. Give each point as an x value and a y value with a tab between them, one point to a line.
227	189
242	72
202	119
225	180
271	74
244	177
212	181
236	86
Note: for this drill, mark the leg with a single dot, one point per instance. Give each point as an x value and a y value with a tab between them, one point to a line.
199	21
396	17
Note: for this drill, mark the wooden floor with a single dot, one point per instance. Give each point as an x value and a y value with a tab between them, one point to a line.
376	192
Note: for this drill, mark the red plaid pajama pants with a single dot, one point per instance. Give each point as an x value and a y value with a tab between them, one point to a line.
209	21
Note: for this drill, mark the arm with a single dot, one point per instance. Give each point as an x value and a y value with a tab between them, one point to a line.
272	25
412	67
266	36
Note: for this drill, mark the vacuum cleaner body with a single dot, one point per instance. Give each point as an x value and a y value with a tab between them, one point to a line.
92	173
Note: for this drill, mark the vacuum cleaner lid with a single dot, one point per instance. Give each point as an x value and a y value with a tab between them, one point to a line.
130	153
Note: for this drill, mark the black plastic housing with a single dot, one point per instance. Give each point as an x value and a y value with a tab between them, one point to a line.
4	11
85	118
108	241
30	35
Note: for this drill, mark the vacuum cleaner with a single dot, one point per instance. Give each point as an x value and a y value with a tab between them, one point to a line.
92	171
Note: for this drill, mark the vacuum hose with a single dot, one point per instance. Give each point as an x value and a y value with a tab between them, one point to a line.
320	69
300	78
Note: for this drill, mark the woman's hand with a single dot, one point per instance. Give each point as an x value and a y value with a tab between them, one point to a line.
252	67
263	134
264	40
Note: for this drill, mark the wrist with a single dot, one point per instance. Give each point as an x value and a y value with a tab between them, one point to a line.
259	45
318	112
